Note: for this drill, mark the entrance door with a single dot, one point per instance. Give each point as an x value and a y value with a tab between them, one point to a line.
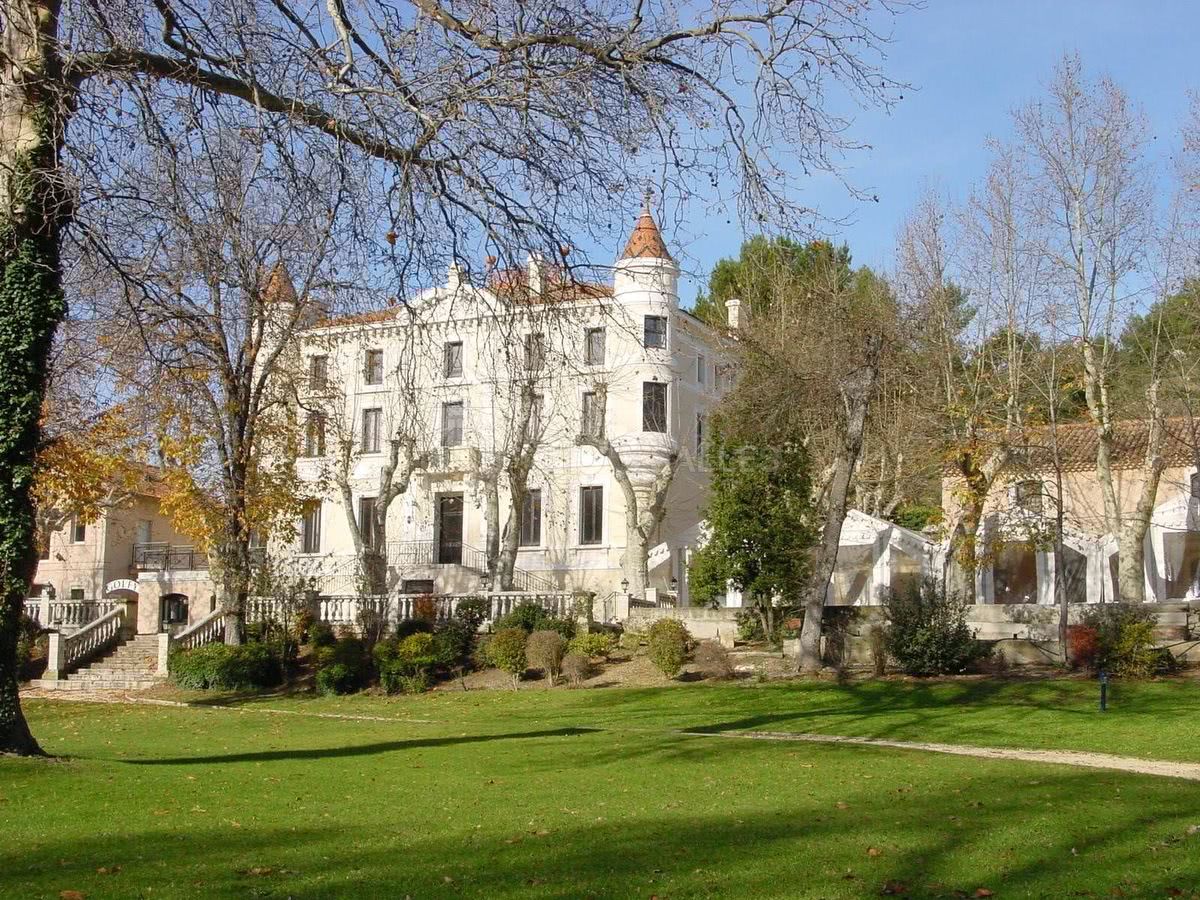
450	528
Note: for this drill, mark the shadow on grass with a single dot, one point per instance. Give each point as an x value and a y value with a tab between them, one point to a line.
358	749
932	844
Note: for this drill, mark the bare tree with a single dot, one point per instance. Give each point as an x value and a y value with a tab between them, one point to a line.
1089	194
509	123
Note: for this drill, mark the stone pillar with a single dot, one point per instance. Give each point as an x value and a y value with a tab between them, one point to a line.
56	657
164	650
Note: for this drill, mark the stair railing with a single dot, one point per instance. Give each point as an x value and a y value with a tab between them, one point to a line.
67	652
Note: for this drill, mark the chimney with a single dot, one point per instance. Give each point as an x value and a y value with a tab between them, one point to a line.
454	277
734	317
535	273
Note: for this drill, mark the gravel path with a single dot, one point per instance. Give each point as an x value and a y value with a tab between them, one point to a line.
1164	768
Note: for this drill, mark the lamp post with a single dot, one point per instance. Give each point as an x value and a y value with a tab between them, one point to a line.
1103	692
624	586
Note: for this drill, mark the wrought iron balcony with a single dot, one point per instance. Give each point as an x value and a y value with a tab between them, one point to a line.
159	556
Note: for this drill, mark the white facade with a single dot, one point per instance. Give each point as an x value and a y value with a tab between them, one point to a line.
447	374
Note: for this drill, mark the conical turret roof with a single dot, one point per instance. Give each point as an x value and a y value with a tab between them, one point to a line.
646	242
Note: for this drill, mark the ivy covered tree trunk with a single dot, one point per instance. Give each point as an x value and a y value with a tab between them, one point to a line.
33	211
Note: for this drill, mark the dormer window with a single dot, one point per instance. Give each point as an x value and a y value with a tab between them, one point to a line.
1028	496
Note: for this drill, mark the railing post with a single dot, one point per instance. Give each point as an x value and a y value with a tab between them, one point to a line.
56	657
164	652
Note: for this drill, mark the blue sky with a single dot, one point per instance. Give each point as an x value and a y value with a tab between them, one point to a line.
970	62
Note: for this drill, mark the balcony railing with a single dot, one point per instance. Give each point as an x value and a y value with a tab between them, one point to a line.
159	556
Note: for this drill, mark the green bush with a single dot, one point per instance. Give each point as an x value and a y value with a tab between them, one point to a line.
453	643
343	667
531	617
472	611
506	651
594	644
413	626
927	632
545	650
27	635
668	643
338	678
226	668
1123	640
400	662
320	634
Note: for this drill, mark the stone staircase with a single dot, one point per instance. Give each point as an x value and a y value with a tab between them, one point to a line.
129	666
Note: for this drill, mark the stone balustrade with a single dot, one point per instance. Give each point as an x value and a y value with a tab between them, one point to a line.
67	652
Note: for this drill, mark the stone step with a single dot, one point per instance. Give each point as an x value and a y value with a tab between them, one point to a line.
132	684
112	676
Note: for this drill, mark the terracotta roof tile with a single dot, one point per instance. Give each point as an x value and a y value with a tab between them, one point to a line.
1077	444
646	241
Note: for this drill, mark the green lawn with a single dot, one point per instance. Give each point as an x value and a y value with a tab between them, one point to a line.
593	793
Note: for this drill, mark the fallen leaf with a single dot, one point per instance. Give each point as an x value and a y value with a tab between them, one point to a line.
874	851
894	888
108	870
71	895
982	892
842	805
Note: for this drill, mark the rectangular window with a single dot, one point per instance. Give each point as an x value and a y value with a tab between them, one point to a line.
453	359
655	332
78	532
699	432
310	528
43	544
593	350
591	515
372	421
590	420
452	424
76	593
535	417
1029	496
531	519
701	369
318	372
654	406
535	352
366	520
373	373
314	435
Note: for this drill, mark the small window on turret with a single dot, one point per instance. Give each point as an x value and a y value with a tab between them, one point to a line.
655	333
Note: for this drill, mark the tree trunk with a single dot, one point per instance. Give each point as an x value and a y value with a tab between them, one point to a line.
1131	545
491	516
33	213
506	561
856	390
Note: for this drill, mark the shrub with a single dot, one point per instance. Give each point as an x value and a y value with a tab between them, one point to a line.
320	634
506	651
343	667
1124	639
1083	644
27	635
577	668
594	644
472	611
749	626
878	642
713	660
222	667
631	640
425	608
401	661
668	643
337	678
545	650
531	617
453	644
928	634
413	626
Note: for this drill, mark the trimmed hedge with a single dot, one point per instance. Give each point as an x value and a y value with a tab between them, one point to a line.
531	617
222	667
343	668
